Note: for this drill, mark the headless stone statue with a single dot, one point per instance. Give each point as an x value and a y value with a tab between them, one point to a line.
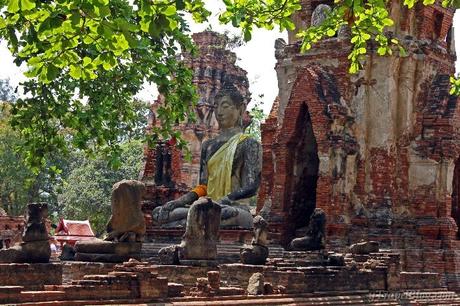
35	247
320	13
315	237
199	244
201	235
257	252
127	222
125	229
230	167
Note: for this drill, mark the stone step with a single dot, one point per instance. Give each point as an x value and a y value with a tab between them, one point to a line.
232	250
313	299
280	300
42	295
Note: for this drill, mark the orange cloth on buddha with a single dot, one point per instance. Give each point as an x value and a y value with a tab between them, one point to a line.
201	190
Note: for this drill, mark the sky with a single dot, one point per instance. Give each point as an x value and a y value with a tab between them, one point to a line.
256	57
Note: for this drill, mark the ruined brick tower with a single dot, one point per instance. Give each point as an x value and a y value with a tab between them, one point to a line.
378	151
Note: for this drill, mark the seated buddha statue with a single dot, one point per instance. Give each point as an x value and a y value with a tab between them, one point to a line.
230	166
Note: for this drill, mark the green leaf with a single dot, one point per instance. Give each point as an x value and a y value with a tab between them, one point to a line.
52	72
75	72
27	5
133	43
75	19
330	32
354	67
13	6
86	61
402	52
169	11
409	3
108	64
172	23
247	35
180	5
387	22
382	51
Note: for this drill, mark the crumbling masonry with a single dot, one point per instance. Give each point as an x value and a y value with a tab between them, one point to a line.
377	151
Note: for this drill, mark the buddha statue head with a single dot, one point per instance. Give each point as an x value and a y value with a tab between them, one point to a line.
230	108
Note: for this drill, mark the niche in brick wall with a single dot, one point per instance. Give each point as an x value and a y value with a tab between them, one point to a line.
455	212
304	167
437	26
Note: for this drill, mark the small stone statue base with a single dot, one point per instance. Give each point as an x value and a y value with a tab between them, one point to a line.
254	255
67	253
107	251
316	234
35	247
169	255
365	247
27	252
257	252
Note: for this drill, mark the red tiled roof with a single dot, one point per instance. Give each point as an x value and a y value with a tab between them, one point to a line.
74	228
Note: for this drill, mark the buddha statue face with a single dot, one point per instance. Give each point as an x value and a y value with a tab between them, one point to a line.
228	113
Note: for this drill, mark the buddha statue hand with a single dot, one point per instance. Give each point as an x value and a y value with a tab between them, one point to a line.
225	201
166	209
227	211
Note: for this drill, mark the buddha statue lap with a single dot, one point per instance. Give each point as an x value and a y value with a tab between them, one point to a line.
230	167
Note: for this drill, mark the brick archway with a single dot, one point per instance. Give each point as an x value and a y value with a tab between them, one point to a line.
307	122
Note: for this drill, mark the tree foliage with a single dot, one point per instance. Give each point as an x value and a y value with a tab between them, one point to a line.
76	186
257	117
87	59
87	190
16	179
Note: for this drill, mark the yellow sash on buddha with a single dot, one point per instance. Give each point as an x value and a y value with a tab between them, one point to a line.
220	168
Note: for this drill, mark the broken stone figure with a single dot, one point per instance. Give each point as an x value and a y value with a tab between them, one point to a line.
199	244
35	247
125	229
230	167
365	247
315	238
202	231
257	252
320	14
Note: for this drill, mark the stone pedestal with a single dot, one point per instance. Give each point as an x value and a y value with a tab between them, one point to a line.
254	254
199	263
107	251
35	247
